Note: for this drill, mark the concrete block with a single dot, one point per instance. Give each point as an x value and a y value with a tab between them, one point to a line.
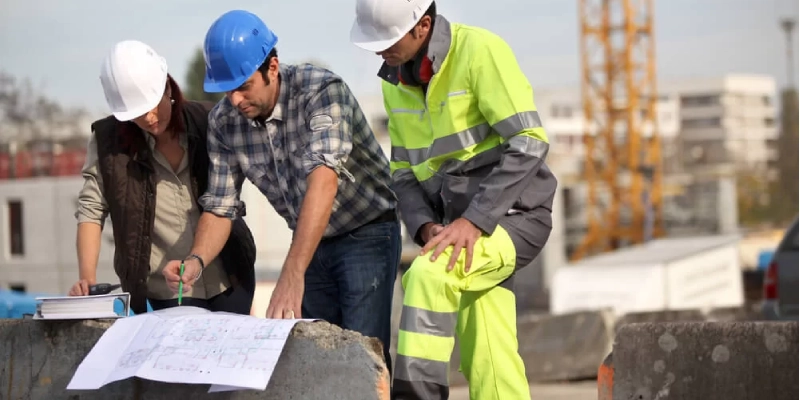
319	361
748	312
660	316
706	360
565	347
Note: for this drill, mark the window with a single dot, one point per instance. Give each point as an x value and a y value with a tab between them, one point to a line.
561	111
16	233
714	122
17	287
708	100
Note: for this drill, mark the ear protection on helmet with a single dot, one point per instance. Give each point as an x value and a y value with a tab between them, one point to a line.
418	71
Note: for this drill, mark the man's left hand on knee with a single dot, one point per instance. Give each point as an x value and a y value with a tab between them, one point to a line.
462	235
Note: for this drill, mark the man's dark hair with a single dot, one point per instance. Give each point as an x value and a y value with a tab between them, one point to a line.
264	68
431	12
265	65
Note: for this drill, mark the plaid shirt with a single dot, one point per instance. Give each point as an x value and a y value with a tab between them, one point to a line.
316	121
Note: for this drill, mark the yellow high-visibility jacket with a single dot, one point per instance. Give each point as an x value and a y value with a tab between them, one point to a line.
472	145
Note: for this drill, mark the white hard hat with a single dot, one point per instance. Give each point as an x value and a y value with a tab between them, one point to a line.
380	24
134	78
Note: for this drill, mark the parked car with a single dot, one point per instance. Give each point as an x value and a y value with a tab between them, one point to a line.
780	301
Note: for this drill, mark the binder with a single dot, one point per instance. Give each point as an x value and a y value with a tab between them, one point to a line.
83	307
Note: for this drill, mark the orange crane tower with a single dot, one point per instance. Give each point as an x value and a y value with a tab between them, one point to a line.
622	166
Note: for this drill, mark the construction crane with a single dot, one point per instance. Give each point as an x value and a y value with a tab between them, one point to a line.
622	166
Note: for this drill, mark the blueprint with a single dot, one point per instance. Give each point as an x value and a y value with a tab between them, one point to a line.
187	345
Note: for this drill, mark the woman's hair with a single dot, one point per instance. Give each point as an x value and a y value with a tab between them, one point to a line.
176	123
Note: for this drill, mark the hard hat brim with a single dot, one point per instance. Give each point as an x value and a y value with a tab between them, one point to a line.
222	87
125	116
366	42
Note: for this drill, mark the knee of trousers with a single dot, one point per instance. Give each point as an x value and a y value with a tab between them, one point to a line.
426	272
499	248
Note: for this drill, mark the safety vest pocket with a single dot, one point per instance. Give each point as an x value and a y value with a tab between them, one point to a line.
408	113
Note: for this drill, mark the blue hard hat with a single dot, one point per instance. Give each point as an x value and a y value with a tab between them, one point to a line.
236	44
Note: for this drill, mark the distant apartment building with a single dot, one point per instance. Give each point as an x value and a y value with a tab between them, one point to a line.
726	120
729	119
562	114
561	111
708	129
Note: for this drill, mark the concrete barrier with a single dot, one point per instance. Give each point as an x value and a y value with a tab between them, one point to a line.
705	360
748	312
660	316
565	347
319	361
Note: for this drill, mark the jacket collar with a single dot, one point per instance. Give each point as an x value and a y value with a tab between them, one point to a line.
438	48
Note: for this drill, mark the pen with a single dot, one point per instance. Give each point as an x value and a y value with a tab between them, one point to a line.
180	286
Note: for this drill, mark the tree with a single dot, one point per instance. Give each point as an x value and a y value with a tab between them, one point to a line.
30	121
755	205
762	199
785	190
26	115
194	80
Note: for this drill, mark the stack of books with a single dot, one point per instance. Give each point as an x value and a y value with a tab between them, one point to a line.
115	305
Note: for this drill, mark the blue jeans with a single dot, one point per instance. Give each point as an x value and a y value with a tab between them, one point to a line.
350	281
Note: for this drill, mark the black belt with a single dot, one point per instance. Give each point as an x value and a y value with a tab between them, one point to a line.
386	216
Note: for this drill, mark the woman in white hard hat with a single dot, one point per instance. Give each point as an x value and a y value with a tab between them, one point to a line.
146	167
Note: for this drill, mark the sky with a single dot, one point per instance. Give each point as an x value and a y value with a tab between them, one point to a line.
59	44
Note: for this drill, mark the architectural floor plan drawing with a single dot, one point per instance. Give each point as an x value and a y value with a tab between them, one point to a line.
187	345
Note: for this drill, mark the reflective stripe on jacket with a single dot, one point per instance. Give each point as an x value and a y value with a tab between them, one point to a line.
473	144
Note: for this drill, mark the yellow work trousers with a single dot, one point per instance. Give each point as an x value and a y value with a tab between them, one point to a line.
438	305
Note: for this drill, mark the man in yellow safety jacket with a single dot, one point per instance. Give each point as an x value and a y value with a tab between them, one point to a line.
467	163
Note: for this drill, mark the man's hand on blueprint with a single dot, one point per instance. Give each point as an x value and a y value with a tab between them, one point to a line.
191	271
287	296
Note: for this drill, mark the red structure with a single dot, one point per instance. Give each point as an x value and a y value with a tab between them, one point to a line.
34	164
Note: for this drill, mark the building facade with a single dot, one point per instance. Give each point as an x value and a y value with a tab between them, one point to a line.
729	119
709	130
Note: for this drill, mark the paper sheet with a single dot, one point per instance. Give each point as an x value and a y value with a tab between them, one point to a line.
187	345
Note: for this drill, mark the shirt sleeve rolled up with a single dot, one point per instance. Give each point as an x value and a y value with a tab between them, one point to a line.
329	118
92	205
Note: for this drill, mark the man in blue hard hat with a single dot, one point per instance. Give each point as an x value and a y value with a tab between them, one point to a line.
298	134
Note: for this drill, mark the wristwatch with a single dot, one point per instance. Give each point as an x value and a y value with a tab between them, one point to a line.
202	264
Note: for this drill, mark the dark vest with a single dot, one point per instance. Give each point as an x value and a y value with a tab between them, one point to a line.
126	166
